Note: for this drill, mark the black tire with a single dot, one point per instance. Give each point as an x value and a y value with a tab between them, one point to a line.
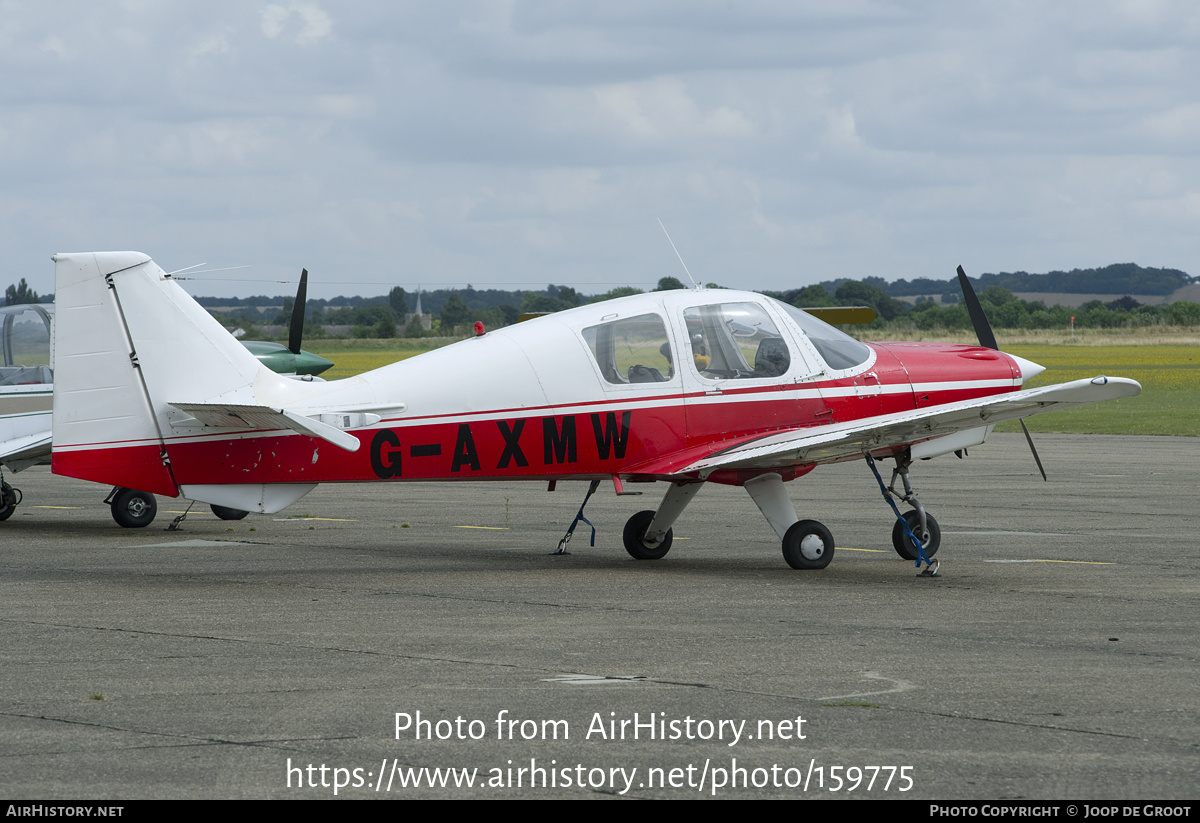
904	546
133	509
808	554
8	501
635	544
226	513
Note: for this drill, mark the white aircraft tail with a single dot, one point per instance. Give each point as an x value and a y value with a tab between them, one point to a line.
131	346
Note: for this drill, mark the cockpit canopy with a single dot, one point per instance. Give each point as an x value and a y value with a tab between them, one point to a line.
735	341
729	338
25	340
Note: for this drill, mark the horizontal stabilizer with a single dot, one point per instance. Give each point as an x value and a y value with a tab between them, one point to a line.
828	444
237	416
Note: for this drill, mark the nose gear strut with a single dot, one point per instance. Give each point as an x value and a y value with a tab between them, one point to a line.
905	524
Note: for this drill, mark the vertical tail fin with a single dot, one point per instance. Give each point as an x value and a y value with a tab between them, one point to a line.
128	340
104	427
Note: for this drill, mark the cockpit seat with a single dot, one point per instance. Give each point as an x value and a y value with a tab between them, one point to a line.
772	358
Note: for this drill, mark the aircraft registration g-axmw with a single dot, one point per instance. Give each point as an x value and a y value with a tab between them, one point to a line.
685	387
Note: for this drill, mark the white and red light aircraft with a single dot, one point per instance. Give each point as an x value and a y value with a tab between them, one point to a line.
685	387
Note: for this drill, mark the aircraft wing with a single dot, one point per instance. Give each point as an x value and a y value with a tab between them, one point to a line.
30	449
842	441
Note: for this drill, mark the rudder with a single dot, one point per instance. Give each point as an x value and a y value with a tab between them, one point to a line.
104	427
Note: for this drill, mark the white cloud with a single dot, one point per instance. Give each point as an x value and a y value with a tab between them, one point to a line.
344	106
215	144
56	46
214	44
781	142
10	24
841	131
314	23
662	109
273	19
1180	125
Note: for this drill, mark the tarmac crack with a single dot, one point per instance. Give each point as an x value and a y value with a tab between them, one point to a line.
500	600
1024	723
304	646
184	739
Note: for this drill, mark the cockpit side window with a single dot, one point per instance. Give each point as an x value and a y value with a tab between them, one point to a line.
840	350
632	350
735	341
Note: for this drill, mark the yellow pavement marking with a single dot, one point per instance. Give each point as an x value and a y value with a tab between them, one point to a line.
489	528
847	549
1043	560
331	519
58	507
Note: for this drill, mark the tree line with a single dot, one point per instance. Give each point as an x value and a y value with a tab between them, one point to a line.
1118	278
454	310
1003	309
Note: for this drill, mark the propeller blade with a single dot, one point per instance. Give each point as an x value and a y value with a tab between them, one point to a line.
983	329
1029	440
296	331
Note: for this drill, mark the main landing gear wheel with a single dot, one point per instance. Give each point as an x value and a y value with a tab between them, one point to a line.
635	542
9	498
133	509
226	513
905	548
808	545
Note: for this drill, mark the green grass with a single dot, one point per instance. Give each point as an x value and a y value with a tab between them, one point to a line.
355	356
1169	402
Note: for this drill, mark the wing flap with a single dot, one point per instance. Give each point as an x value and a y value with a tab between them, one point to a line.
827	444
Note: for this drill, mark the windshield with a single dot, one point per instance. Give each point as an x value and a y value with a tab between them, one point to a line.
840	350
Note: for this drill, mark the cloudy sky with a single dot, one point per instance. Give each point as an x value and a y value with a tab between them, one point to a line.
515	144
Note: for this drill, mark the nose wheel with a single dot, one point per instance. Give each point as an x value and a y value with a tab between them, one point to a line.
930	539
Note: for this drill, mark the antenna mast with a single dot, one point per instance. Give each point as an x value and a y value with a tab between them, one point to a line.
677	254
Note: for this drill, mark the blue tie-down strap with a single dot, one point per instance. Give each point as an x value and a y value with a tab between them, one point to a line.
562	545
904	523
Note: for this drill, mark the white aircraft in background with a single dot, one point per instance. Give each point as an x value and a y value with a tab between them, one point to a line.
26	393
